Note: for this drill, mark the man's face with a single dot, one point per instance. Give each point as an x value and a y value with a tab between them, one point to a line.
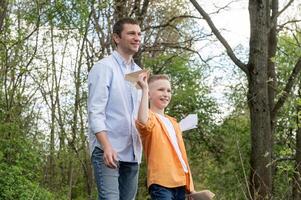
129	41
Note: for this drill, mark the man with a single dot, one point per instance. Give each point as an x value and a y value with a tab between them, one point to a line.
112	109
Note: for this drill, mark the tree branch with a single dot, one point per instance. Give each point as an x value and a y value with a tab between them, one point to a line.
230	52
287	89
281	26
143	12
168	23
3	10
219	9
161	46
283	9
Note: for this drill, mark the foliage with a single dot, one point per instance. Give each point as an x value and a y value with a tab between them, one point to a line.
20	163
287	123
14	185
231	165
48	47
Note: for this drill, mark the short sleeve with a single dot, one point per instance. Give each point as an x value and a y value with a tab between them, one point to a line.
147	128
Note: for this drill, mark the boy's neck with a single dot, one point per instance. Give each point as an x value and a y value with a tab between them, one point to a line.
157	110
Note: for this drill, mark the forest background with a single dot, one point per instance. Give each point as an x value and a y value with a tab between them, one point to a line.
246	147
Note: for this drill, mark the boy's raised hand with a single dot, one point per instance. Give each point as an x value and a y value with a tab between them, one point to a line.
143	108
142	80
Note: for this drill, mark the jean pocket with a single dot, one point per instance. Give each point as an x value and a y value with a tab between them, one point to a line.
97	153
157	191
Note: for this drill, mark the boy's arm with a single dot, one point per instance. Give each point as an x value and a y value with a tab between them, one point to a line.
143	108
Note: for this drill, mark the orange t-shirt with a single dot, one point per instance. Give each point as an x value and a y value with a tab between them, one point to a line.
163	165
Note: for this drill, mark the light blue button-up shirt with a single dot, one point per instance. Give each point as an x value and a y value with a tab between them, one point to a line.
113	106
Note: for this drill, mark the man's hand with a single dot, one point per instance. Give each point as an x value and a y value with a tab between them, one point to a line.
109	154
110	157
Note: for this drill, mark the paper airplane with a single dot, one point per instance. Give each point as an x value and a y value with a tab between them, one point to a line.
189	122
202	195
133	77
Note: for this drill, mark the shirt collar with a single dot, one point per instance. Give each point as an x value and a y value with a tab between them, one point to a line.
120	60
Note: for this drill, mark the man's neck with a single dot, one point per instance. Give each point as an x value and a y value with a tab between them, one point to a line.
127	58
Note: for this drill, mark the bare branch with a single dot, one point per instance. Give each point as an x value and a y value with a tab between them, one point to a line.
281	26
284	159
135	8
283	9
229	50
161	46
168	23
219	9
143	11
288	87
98	29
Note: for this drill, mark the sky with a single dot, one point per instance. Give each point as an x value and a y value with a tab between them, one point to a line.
233	23
234	20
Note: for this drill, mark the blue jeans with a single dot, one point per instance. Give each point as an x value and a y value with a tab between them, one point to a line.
115	184
159	192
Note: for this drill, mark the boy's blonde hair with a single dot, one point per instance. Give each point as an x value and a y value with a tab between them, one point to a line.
156	77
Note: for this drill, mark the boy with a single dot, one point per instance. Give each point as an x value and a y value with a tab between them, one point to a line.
168	173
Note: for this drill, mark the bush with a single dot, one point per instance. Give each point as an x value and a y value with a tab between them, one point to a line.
14	185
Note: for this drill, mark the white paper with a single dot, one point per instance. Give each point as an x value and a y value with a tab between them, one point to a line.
202	195
189	122
134	76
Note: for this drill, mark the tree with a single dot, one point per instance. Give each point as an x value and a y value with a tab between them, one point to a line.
3	9
261	74
46	51
287	135
20	159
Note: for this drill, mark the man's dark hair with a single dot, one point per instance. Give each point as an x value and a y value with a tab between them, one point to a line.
118	26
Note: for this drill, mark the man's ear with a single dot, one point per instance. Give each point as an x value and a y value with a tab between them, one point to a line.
116	38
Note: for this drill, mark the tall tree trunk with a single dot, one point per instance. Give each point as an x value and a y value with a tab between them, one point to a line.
272	79
120	9
70	177
86	164
261	75
258	99
297	176
3	10
52	110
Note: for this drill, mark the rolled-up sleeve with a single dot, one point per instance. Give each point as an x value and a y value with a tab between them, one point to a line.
145	129
99	85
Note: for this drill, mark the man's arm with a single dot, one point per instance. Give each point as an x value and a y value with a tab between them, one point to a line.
110	155
99	83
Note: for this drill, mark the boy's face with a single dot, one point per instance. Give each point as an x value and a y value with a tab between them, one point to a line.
129	40
160	93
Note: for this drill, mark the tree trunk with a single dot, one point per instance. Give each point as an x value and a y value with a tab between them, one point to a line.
70	178
258	99
3	10
297	176
52	111
261	74
272	78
